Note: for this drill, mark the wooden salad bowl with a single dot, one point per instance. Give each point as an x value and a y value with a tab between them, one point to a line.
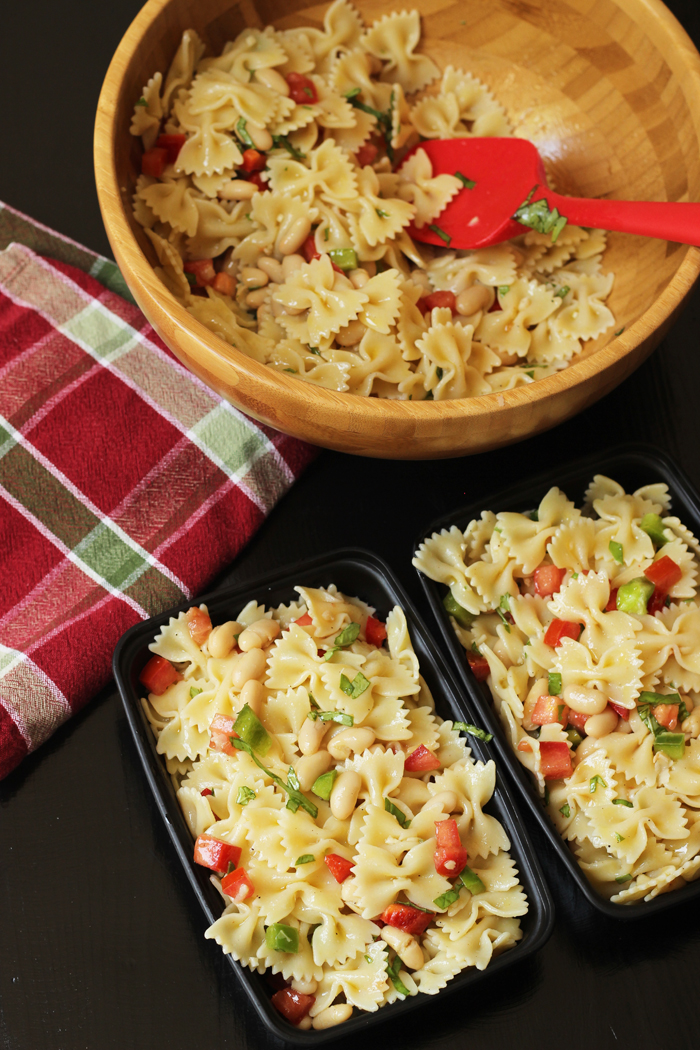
609	92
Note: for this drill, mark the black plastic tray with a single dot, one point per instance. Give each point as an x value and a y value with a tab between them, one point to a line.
632	466
358	573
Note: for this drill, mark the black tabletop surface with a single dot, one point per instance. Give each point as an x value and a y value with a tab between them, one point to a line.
101	942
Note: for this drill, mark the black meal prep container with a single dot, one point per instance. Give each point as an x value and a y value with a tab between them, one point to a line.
357	573
632	466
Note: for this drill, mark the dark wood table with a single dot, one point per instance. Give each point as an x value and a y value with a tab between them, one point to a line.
101	941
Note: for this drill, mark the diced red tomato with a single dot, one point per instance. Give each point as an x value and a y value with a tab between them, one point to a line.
524	745
215	854
495	306
258	181
612	600
309	250
548	579
441	299
450	855
549	709
657	601
158	675
253	160
375	631
206	791
203	270
220	732
479	666
237	885
666	715
224	283
555	759
338	269
338	866
422	760
558	630
404	917
275	980
198	624
292	1005
366	154
173	144
578	720
154	161
621	711
423	306
302	90
304	621
664	573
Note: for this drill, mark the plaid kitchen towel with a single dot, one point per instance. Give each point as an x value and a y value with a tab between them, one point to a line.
125	483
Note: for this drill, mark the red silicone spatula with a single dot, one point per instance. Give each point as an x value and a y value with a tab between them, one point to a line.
504	172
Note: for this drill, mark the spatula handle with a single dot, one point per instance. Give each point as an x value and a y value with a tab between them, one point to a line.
667	220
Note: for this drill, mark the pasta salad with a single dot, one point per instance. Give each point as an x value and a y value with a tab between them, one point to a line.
586	625
275	194
342	819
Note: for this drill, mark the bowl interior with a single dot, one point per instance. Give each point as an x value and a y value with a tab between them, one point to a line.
609	92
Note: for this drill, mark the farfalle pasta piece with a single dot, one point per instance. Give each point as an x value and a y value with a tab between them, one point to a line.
148	112
321	303
429	194
393	39
182	67
453	364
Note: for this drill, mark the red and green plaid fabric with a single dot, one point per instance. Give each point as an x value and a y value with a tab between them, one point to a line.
125	483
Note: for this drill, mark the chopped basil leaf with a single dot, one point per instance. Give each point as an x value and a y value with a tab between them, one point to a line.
529	373
340	717
356	687
381	213
294	796
468	184
565	810
480	734
315	350
306	858
347	636
561	293
574	736
242	132
623	878
245	795
293	779
194	691
313	702
620	330
619	837
658	698
392	970
539	216
439	373
448	898
250	728
230	867
368	958
554	684
622	802
142	102
281	938
593	783
534	515
323	785
290	370
352	93
471	881
503	289
682	711
282	140
476	649
191	279
396	812
440	233
505	623
429	396
616	551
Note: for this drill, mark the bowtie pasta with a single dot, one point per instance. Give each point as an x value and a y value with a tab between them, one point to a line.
273	194
327	795
586	625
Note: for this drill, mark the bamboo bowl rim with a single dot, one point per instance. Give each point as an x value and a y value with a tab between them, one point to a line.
374	411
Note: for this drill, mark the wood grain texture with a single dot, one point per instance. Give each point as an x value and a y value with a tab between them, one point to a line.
609	90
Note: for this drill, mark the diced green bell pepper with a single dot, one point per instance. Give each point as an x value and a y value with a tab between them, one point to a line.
345	258
281	938
632	597
463	617
654	528
672	744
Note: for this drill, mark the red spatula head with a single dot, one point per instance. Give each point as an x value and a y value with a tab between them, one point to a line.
503	170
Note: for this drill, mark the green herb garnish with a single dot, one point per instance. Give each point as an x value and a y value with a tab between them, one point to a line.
323	785
142	102
245	795
381	213
283	141
352	93
306	858
503	289
346	637
622	802
593	784
561	293
616	551
242	132
448	898
396	812
356	687
340	717
468	184
620	331
313	703
471	881
392	970
440	233
554	683
619	837
295	796
534	515
503	609
250	728
466	727
623	878
539	216
194	691
281	938
565	810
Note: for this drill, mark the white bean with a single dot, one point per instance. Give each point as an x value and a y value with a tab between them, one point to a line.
223	638
305	1023
344	794
237	190
405	945
253	695
310	767
421	278
332	1015
358	278
256	299
590	743
352	333
310	736
249	665
602	724
305	987
584	700
473	299
253	278
229	265
261	137
292	263
259	634
272	268
446	800
274	81
414	793
294	236
691	725
344	743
